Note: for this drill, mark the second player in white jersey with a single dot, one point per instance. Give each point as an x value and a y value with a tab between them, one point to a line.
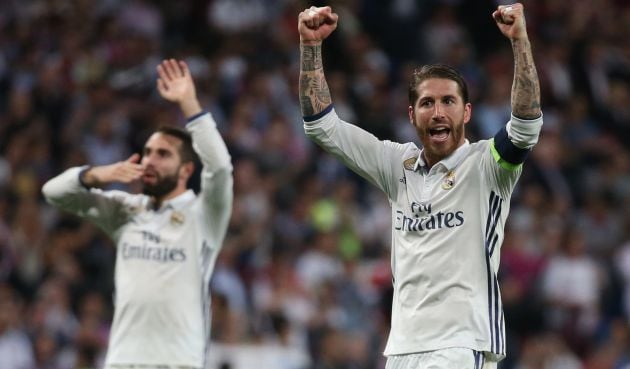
167	238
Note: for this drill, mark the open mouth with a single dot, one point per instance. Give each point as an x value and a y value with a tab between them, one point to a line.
149	176
439	133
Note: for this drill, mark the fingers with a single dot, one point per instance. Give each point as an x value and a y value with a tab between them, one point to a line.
134	158
183	67
130	170
314	17
507	14
171	69
162	86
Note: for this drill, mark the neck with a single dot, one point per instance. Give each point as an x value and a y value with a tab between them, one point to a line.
429	161
158	201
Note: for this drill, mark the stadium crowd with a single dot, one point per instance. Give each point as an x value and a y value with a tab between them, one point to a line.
305	264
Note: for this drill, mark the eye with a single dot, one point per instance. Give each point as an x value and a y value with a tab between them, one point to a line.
164	153
449	101
426	103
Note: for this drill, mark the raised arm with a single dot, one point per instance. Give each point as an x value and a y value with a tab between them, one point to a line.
175	84
314	25
525	88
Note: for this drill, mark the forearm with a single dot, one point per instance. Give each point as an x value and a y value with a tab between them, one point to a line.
190	107
314	92
525	87
91	177
208	143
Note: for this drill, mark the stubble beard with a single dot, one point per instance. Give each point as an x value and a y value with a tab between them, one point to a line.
162	187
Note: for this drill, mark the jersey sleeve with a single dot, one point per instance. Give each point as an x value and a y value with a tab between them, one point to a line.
358	149
216	176
508	150
106	209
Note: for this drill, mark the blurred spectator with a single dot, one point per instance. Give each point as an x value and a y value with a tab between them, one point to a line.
16	351
571	285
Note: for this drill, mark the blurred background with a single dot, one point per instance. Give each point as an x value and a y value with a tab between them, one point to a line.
303	280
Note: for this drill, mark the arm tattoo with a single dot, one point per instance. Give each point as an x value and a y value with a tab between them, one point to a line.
314	92
311	58
525	87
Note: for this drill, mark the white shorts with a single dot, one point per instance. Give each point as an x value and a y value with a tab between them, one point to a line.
455	357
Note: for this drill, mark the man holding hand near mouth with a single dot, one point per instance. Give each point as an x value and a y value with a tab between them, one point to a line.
167	238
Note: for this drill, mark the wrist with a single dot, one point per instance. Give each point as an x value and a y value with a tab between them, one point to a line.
87	178
190	107
310	42
520	38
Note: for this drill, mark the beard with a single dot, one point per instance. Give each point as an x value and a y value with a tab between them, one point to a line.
162	187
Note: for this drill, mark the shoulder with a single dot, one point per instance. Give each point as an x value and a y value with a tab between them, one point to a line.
480	146
127	200
404	149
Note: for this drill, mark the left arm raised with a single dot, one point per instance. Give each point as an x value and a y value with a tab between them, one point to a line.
175	84
525	87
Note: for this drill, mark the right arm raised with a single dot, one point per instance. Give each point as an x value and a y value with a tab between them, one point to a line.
358	149
314	25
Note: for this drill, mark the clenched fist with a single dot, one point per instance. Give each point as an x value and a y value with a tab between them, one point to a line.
316	24
511	21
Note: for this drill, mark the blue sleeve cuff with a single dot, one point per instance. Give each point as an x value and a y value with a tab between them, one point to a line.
190	119
82	174
317	116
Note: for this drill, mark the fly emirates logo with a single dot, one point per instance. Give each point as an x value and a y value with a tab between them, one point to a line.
422	219
152	248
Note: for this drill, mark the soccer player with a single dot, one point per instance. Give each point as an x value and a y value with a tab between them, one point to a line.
449	200
167	238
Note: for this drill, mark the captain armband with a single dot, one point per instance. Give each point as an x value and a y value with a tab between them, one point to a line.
505	153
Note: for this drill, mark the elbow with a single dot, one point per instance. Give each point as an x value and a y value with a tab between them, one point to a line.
49	191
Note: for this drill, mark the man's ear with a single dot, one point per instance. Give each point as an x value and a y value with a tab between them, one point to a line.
186	170
467	112
410	111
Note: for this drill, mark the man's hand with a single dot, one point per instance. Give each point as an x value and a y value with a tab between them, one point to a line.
316	24
511	21
121	172
176	85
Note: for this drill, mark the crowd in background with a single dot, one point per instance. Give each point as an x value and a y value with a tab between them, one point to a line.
306	263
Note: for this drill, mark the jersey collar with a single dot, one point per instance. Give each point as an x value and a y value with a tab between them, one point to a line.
449	162
177	202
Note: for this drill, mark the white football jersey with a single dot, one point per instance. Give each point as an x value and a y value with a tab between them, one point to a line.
447	230
164	256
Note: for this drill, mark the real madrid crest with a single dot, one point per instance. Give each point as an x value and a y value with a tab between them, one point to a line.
449	180
177	218
410	163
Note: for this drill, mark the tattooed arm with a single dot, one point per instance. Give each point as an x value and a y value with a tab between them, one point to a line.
525	88
314	25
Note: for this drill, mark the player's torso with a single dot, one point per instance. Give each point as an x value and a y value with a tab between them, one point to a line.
439	262
161	296
158	253
437	220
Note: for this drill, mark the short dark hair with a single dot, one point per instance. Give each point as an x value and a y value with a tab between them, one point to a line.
436	71
186	151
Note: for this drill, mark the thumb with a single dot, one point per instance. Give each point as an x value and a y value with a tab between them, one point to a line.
134	158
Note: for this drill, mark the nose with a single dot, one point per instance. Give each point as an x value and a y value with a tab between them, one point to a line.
147	159
437	112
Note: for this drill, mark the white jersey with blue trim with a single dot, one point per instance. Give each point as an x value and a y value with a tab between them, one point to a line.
447	230
164	258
